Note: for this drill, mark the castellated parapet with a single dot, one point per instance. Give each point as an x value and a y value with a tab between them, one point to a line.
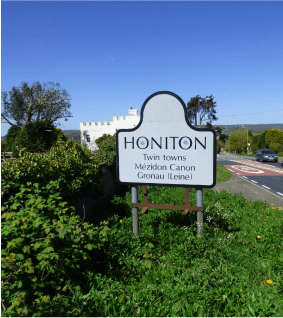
91	131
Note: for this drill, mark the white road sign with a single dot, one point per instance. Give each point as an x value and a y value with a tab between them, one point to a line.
164	149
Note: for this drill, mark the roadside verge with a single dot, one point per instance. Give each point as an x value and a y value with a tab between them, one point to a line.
249	190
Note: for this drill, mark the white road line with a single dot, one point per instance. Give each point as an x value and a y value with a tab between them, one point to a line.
277	196
253	181
265	187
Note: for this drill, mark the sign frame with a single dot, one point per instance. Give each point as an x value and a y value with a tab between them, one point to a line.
146	182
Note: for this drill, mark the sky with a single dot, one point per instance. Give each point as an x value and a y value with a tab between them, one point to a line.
110	56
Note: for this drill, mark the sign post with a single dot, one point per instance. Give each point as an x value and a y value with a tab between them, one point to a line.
200	213
135	211
164	149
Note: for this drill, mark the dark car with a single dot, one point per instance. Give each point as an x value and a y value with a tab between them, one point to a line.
266	155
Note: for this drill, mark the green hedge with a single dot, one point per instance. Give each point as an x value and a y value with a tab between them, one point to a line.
47	251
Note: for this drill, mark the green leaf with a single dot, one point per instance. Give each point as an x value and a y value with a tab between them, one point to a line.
251	310
47	250
62	234
89	246
20	257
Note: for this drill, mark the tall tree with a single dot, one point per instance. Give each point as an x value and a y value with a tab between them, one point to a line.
40	102
200	107
238	141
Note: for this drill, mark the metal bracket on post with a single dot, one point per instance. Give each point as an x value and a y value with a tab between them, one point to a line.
135	205
147	206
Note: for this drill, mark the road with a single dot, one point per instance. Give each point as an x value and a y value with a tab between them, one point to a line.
267	176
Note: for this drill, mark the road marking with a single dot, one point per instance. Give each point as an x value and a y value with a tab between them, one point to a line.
266	187
253	181
261	166
277	196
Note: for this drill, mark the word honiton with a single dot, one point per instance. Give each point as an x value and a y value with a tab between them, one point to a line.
184	143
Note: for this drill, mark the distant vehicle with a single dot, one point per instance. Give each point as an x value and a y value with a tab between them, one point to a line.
230	151
266	155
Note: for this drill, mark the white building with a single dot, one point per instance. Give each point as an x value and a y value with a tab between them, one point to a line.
91	131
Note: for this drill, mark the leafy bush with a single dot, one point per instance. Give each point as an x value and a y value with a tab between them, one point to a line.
261	140
238	141
101	139
276	147
3	146
35	137
41	236
107	150
12	133
47	253
69	164
274	136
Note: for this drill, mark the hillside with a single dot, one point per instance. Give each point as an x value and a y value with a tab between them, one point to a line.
256	128
226	129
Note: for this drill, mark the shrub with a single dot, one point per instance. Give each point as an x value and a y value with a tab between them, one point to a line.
107	150
274	136
276	147
101	139
3	146
12	133
48	253
261	140
35	137
68	163
59	135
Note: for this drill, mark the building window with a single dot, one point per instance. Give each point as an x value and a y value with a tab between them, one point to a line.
88	138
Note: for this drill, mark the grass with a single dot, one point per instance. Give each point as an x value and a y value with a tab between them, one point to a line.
222	174
234	269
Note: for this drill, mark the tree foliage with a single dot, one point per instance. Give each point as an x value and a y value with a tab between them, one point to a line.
34	137
101	139
47	251
107	150
238	141
223	137
39	102
204	109
59	135
274	136
12	133
261	143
